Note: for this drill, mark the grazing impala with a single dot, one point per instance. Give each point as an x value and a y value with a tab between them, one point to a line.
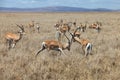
95	26
12	38
86	45
55	45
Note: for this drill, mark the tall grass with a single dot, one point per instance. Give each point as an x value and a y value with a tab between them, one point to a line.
20	63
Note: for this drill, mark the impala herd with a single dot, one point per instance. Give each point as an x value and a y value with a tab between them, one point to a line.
62	28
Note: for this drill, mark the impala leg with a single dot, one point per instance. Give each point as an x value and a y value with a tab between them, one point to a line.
61	51
98	29
86	52
13	44
88	49
9	44
42	48
38	29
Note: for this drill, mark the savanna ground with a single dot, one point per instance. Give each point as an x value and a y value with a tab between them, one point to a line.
20	63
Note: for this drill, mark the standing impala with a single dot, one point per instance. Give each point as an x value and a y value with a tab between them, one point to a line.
55	45
61	29
86	45
12	38
31	24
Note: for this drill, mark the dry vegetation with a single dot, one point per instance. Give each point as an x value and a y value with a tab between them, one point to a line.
20	63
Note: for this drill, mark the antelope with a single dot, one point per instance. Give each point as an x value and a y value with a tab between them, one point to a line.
64	28
12	38
38	27
77	33
96	26
61	29
55	45
58	24
86	45
82	27
31	24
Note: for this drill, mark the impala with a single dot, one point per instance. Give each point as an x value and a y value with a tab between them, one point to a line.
64	28
95	26
31	24
55	45
12	38
86	45
61	29
58	24
37	27
82	27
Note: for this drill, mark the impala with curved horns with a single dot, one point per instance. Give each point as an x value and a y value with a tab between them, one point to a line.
86	45
12	38
55	45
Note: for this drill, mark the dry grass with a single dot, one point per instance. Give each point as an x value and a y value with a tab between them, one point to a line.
20	64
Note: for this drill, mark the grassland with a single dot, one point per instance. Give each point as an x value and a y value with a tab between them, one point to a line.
20	63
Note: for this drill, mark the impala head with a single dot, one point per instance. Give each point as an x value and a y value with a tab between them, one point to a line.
57	25
63	29
22	31
73	35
